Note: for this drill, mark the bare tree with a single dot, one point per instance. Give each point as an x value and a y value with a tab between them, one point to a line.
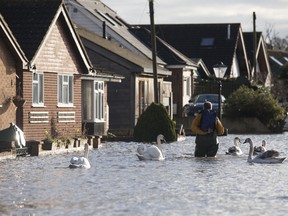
273	40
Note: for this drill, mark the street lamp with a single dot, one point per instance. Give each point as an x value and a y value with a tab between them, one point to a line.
219	70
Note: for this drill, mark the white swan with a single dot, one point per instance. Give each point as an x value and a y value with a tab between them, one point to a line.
260	149
269	156
81	162
235	150
152	152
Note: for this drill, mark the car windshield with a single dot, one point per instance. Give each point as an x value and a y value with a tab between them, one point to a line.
211	98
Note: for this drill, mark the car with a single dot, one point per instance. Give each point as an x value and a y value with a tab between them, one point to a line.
196	103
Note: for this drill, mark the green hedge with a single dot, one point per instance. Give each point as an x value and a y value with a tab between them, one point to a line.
153	121
246	102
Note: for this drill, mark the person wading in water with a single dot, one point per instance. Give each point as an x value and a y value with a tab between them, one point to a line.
207	126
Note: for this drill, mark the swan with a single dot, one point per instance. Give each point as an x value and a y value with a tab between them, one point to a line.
152	152
260	149
269	156
81	162
235	150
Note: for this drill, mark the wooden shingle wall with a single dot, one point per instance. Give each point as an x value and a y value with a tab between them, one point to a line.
7	86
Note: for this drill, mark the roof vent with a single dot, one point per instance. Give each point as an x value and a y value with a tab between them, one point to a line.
228	32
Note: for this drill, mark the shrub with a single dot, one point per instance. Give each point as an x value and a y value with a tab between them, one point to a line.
246	102
154	121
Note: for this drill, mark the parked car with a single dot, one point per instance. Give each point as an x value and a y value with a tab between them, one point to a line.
197	102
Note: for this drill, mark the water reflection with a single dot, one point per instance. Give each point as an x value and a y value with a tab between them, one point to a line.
119	184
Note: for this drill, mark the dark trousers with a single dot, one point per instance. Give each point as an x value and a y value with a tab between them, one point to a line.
206	145
206	151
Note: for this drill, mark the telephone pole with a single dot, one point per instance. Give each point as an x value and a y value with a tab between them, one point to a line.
153	42
254	47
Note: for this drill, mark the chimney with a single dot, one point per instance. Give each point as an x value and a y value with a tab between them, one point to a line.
228	32
104	29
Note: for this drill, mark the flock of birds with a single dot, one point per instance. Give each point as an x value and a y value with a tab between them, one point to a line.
257	154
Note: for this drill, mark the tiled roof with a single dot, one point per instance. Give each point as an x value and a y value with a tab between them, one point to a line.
103	13
164	51
8	37
210	42
143	63
277	59
249	40
29	20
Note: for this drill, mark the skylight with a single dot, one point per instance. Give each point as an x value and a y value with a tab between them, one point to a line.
106	17
207	42
275	60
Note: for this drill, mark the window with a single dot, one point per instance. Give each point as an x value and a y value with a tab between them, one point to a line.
93	101
187	86
99	100
143	95
37	89
65	90
87	100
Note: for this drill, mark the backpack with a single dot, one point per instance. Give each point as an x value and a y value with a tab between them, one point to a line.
208	120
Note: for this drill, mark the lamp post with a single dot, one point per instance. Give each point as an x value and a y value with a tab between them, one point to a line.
219	70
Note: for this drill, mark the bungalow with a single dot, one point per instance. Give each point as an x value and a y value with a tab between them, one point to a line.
184	70
128	99
123	53
262	74
62	90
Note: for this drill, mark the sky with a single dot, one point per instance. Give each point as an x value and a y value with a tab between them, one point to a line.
270	14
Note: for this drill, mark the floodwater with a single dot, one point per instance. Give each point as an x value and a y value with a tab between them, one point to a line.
119	184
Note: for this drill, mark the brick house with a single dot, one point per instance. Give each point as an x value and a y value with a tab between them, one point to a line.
59	76
11	57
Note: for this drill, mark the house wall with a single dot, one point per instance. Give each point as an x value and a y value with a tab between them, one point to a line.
177	86
120	96
121	102
57	55
7	86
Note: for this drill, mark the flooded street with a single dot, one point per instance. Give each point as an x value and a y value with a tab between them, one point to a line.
119	184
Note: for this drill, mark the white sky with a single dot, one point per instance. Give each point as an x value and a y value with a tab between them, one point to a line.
269	13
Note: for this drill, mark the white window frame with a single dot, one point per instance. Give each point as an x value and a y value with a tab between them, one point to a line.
37	89
65	88
99	101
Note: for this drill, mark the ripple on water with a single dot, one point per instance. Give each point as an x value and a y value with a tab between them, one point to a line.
119	184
